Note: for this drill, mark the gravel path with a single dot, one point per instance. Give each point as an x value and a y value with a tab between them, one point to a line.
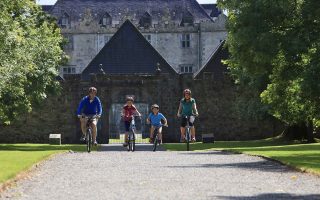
118	174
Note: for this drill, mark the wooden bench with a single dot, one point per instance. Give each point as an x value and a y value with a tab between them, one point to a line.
208	138
55	139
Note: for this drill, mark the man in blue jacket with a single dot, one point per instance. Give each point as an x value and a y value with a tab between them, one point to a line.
90	105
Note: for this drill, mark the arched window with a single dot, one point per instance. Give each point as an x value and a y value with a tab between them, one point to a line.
106	20
145	20
65	20
187	19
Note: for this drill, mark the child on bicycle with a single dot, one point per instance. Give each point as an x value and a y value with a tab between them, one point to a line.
155	119
128	112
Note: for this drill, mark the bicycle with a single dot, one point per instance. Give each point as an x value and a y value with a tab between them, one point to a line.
89	131
132	136
156	140
188	131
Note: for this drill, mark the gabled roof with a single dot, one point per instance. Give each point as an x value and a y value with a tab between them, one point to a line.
46	8
127	52
159	10
214	64
213	9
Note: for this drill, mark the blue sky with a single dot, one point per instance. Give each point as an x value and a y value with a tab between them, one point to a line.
50	2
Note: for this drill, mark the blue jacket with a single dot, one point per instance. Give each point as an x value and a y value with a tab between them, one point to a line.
87	108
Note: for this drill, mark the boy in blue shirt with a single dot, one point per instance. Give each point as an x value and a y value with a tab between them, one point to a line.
155	119
89	105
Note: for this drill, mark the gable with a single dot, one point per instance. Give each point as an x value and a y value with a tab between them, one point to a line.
128	52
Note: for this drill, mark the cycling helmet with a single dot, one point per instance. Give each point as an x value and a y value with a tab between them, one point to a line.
186	91
154	106
130	99
92	89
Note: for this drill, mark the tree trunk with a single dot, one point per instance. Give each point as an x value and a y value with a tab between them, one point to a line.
310	135
296	132
300	131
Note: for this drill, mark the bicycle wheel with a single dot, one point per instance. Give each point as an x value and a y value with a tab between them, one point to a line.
133	145
188	139
133	142
155	143
89	140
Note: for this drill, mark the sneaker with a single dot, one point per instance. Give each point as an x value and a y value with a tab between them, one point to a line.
183	140
83	138
193	139
95	143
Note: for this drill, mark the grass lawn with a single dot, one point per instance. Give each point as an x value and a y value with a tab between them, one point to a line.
15	158
305	157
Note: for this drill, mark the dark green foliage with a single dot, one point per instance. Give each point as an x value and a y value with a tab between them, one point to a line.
30	54
275	51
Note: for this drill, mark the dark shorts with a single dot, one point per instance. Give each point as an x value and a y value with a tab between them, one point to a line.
127	125
184	122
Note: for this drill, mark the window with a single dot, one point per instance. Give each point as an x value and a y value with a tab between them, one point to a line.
106	20
185	40
187	19
69	70
148	37
69	42
185	69
65	21
145	20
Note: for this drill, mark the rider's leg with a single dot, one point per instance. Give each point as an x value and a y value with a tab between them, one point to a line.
160	133
151	133
83	123
183	129
183	132
94	130
193	132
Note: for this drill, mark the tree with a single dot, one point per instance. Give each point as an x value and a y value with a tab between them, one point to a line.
275	48
30	54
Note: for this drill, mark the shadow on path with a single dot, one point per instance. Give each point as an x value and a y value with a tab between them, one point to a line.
263	165
268	196
119	147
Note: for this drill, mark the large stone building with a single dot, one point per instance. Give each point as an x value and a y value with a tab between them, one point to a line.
149	49
182	31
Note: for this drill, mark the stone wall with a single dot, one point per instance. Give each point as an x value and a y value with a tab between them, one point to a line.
214	98
202	44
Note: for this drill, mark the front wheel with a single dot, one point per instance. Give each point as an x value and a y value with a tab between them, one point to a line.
155	143
188	139
89	140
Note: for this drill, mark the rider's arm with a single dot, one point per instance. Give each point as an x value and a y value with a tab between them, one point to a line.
148	119
99	106
137	112
165	121
80	107
123	112
179	110
195	110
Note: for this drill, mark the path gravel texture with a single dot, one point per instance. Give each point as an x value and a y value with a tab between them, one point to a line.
115	173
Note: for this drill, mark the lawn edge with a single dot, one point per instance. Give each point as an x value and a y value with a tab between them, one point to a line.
26	172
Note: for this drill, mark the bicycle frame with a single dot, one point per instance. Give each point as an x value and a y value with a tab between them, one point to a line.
89	132
188	132
132	136
156	140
